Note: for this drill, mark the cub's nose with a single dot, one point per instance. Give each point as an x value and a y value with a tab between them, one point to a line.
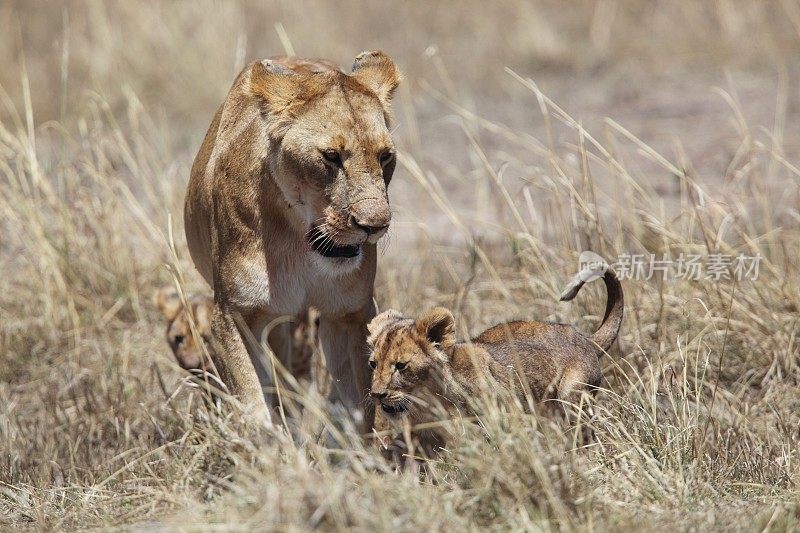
378	395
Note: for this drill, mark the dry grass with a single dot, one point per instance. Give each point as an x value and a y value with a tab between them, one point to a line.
498	192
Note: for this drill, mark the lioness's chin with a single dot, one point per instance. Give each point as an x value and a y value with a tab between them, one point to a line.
336	266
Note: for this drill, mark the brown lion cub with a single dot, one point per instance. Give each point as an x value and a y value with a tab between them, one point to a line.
417	364
187	349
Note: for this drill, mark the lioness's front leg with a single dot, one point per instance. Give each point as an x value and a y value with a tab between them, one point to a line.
236	367
344	343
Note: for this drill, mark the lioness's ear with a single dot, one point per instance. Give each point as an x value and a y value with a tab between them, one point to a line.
381	322
438	326
168	301
277	85
376	71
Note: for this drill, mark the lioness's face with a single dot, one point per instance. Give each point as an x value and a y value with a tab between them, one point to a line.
340	164
407	360
331	153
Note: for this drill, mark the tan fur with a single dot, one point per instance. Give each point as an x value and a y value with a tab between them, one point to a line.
418	365
299	154
186	347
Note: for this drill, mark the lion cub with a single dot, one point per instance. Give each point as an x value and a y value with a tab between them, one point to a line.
188	349
418	365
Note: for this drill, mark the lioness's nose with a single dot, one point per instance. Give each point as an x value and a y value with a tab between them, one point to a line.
370	215
369	228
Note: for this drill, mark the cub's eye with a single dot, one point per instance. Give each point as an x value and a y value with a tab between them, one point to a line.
373	365
400	366
332	157
386	157
179	340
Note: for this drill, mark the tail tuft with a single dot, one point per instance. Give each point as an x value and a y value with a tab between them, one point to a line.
590	272
609	328
572	289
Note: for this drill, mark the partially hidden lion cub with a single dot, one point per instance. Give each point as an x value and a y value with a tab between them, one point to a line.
186	347
417	364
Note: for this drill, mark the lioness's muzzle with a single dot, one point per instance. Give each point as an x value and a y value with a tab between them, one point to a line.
325	246
371	215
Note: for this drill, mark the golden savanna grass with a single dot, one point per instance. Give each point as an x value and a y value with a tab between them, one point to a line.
528	133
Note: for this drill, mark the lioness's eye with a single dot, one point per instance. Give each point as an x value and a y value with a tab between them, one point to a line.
400	366
386	157
179	339
373	365
332	157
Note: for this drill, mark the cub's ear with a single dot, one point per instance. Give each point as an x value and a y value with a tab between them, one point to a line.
438	326
376	71
202	307
168	301
381	322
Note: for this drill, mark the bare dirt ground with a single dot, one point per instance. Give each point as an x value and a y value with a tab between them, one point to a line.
528	131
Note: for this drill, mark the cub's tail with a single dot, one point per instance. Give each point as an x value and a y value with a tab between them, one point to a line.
608	330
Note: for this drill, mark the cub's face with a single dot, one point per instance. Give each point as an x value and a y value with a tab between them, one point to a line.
186	347
331	153
408	358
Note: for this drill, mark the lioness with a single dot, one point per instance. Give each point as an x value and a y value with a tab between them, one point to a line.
286	201
418	365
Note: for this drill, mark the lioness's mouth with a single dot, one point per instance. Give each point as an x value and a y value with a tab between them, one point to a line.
322	243
393	409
